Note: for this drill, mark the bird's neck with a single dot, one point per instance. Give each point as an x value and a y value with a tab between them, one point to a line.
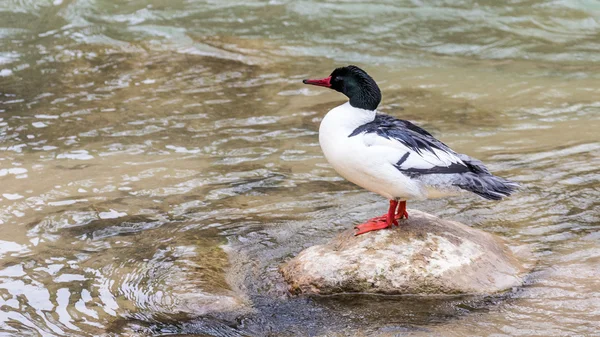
347	118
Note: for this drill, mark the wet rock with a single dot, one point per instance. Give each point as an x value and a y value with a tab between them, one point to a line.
425	255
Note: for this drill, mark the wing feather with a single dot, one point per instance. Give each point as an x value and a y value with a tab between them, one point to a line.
417	154
415	150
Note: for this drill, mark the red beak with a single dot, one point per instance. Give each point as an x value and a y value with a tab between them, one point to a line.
324	82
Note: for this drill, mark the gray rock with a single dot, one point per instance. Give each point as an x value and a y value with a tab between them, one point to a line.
425	255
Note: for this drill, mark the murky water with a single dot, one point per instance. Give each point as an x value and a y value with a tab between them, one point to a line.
159	160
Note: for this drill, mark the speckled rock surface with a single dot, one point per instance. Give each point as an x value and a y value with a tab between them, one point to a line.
425	255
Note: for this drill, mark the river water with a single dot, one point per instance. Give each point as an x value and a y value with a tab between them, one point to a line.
160	159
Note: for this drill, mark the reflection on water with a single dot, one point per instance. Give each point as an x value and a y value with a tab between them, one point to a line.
159	160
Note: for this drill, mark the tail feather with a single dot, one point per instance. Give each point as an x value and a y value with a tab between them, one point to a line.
486	185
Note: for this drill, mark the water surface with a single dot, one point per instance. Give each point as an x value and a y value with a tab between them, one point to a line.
159	160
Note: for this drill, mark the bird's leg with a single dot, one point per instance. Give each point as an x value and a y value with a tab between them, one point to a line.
391	218
379	222
401	213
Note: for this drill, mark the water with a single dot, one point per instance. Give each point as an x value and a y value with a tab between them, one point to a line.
159	160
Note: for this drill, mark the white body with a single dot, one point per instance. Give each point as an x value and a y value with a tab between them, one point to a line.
368	160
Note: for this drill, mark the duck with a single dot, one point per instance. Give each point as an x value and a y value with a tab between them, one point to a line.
392	157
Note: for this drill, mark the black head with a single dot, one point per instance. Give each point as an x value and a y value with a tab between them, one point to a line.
355	83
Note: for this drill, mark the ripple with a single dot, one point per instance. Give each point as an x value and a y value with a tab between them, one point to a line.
160	162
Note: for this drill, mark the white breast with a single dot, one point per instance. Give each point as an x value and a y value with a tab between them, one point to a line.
370	167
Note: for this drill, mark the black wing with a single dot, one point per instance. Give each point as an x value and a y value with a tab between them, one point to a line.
409	134
464	172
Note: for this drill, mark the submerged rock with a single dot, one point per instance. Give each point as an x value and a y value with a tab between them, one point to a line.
425	255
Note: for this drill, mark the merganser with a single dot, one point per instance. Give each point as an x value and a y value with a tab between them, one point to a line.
393	157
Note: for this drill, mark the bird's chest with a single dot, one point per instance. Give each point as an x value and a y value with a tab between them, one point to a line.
337	148
346	154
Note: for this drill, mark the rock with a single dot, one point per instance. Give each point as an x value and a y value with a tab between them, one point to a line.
425	255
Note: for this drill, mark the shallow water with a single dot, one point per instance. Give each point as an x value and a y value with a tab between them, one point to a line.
160	160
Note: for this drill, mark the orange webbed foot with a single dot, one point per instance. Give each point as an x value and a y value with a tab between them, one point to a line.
370	226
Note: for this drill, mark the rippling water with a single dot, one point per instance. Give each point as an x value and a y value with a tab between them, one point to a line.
159	160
